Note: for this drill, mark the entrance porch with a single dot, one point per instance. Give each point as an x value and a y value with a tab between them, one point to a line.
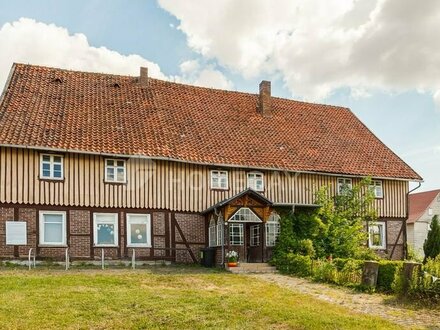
245	223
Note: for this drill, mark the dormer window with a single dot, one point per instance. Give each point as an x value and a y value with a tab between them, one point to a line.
255	181
219	180
115	171
51	167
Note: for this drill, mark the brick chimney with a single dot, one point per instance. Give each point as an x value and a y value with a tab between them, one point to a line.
143	78
264	104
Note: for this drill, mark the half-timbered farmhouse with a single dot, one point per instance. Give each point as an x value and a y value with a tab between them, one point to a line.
97	162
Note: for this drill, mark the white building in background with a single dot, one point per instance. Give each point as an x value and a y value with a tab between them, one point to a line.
422	207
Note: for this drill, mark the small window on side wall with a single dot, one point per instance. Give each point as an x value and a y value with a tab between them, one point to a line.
52	228
377	235
344	185
138	230
376	188
219	180
255	181
51	167
115	171
105	229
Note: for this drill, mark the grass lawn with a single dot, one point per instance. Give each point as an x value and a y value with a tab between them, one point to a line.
162	297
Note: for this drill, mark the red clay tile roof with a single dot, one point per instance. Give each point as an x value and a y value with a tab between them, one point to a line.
93	112
418	203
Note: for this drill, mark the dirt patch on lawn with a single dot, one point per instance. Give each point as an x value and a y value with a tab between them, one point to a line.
372	304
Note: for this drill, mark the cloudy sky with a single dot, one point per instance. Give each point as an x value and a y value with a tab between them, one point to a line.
381	58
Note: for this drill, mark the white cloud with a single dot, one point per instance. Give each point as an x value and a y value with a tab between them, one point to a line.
319	46
28	41
194	73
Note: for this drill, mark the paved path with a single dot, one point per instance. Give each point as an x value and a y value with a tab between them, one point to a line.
373	304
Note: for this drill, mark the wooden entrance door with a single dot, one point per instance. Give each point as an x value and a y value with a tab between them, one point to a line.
254	244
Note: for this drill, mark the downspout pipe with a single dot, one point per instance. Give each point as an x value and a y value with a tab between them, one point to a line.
405	235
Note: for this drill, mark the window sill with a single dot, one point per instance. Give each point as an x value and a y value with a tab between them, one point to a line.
378	248
140	246
106	246
53	246
220	189
115	183
52	179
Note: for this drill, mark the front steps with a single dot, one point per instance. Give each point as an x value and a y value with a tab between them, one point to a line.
246	268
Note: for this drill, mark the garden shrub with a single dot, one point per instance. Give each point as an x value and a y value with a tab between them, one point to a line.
351	272
295	264
387	274
324	271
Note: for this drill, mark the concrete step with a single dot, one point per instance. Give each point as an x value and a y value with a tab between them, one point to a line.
252	268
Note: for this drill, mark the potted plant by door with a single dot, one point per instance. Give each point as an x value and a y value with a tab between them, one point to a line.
232	257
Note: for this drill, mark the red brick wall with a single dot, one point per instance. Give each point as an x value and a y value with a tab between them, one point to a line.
80	235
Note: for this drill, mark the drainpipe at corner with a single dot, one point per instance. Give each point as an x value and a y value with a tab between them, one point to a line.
405	235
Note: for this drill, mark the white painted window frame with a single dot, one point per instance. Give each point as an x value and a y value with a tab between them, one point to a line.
250	212
219	174
240	234
51	167
114	222
42	228
115	168
383	246
255	176
374	185
348	182
272	229
219	232
130	221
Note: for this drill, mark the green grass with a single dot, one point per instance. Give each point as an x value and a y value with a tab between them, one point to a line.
162	297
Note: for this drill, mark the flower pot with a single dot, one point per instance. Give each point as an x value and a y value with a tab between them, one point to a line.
232	264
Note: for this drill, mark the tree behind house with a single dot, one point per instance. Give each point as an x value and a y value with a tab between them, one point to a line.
431	247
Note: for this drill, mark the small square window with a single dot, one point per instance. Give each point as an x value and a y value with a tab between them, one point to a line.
51	167
219	180
115	171
344	185
138	230
105	229
255	181
376	188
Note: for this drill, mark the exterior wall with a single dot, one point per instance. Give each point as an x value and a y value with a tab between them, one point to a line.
395	239
172	234
419	229
159	185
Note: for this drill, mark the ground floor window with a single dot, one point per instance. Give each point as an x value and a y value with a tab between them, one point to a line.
220	231
272	229
105	229
236	234
138	230
377	237
52	228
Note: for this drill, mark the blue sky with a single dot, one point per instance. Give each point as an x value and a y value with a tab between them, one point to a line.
235	45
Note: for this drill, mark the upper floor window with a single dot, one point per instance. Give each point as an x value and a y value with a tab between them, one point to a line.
255	181
344	184
115	170
376	233
219	179
430	211
376	188
51	167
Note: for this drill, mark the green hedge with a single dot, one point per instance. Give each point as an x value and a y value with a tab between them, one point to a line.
387	274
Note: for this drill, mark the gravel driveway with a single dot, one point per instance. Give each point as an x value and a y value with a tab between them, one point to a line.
373	304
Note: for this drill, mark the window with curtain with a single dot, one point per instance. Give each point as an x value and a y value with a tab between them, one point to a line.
52	228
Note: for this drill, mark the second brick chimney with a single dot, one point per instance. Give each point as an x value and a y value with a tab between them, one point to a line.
143	78
264	104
